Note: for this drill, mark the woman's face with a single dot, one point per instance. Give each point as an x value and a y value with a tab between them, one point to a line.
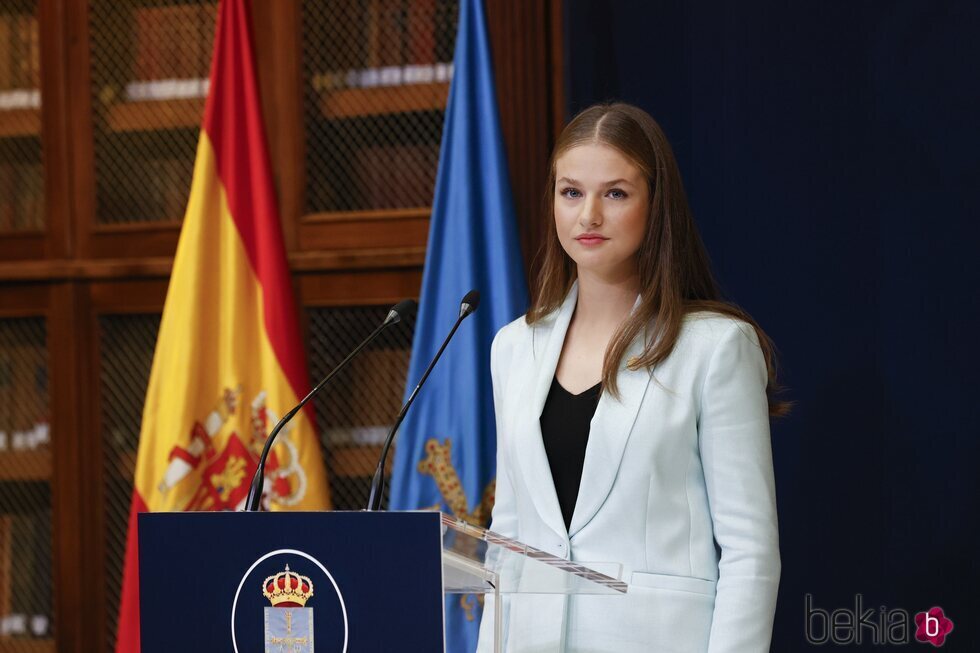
601	207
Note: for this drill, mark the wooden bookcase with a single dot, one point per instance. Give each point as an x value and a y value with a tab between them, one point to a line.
105	139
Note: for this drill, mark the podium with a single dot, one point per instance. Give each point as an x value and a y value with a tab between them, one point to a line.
296	582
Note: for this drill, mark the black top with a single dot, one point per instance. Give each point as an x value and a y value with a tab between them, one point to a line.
565	423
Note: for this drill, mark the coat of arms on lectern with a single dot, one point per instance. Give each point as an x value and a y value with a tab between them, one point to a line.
288	622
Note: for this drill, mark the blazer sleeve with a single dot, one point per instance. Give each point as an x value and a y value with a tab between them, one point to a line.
504	520
736	454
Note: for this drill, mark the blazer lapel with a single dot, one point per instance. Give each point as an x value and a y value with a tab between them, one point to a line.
529	444
609	432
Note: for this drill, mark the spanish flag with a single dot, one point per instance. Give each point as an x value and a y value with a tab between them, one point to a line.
228	361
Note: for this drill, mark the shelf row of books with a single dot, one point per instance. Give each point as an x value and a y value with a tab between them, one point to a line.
369	177
21	196
155	191
396	176
403	42
23	377
401	31
173	42
32	439
20	52
379	33
383	177
25	574
408	75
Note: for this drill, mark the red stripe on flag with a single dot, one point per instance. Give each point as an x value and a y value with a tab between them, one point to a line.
128	634
233	122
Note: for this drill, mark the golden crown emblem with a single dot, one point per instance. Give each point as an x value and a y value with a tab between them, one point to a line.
287	589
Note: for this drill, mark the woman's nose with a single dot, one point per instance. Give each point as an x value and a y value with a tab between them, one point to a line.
591	215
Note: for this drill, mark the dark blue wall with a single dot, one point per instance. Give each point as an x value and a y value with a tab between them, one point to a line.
831	153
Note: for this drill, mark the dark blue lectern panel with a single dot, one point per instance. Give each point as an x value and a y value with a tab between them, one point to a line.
375	582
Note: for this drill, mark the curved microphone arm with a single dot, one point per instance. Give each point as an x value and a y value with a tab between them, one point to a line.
467	306
258	480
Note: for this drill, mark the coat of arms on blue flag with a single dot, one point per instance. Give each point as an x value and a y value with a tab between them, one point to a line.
288	623
446	451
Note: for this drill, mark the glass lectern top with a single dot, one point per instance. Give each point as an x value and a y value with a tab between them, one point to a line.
476	560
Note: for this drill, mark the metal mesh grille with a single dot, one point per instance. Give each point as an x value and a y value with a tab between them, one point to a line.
376	79
150	63
126	345
25	494
21	166
356	411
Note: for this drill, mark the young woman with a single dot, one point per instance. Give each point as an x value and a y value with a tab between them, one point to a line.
633	410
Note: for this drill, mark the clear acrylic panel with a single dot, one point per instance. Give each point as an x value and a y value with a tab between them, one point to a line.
478	561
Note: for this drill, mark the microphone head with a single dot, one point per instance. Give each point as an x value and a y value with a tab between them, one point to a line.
469	303
401	310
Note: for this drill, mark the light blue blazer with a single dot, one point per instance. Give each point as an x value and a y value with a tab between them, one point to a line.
677	486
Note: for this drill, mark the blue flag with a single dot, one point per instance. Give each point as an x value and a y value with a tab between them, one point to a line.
445	454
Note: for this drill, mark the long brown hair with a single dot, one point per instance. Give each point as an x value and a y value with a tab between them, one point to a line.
675	273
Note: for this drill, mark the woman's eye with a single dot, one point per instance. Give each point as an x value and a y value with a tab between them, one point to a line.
616	194
570	193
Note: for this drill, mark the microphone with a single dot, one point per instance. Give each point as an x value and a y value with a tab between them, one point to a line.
469	304
398	312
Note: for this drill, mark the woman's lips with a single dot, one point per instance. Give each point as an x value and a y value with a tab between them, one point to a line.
591	240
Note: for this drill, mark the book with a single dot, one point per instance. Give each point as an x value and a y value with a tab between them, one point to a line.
421	29
7	196
6	50
445	29
146	57
15	51
34	52
27	52
27	559
6	536
21	196
22	560
175	179
207	25
173	41
395	176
